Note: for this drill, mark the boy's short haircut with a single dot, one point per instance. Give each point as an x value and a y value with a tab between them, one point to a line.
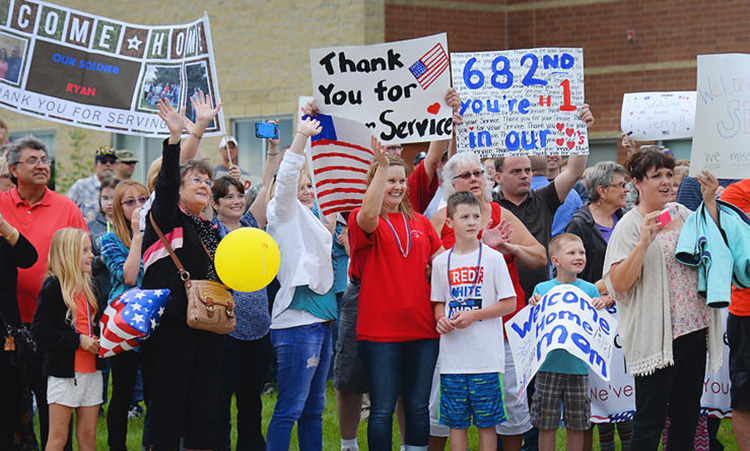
561	240
462	198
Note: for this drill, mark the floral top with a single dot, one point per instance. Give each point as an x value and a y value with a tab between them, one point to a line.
688	311
250	309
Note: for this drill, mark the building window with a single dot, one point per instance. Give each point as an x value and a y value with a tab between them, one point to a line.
252	156
46	136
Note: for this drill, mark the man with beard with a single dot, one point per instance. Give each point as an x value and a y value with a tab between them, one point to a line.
85	192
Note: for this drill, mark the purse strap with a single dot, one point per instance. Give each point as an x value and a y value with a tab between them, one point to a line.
184	275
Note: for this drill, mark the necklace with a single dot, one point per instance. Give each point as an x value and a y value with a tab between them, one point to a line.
476	275
406	252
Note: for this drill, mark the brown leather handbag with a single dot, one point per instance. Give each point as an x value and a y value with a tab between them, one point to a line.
210	305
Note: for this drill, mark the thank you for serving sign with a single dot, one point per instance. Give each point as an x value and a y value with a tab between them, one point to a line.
89	71
397	88
563	319
521	102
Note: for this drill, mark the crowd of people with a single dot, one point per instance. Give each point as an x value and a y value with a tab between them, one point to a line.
403	298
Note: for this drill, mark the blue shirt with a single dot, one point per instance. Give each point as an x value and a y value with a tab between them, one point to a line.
114	255
250	309
560	360
566	210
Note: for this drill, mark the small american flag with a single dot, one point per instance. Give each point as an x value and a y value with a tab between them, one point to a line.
340	159
130	319
430	67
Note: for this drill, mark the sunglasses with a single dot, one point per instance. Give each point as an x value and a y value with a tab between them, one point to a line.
467	175
131	203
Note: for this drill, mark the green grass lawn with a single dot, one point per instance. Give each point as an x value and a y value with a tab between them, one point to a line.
331	438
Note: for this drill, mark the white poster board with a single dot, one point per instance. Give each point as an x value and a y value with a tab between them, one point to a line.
521	102
396	88
658	115
721	143
563	319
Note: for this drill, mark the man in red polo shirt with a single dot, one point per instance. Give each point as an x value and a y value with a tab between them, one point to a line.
37	212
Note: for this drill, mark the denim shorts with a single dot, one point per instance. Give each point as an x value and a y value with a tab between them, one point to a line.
467	396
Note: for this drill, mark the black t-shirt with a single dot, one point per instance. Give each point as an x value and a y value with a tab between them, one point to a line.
536	213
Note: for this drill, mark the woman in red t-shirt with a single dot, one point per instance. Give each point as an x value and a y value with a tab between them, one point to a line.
396	335
502	230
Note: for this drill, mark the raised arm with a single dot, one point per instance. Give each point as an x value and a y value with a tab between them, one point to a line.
709	185
522	243
369	216
576	163
204	115
273	159
132	267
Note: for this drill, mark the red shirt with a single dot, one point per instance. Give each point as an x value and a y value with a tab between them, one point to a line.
37	223
85	362
421	190
394	297
449	239
738	194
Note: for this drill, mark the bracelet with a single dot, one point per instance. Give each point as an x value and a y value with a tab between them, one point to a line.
272	154
196	135
306	136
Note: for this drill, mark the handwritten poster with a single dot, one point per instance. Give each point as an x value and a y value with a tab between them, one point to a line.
89	71
721	143
658	115
397	88
563	319
521	102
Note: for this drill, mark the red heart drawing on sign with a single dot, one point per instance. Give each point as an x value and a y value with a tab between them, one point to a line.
471	128
560	141
560	126
434	108
569	131
571	144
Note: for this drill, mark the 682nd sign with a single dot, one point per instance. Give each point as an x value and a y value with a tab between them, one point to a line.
521	102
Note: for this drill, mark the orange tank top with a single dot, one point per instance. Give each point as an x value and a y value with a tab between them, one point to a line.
85	362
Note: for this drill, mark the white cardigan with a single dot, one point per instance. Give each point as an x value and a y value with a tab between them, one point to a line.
304	242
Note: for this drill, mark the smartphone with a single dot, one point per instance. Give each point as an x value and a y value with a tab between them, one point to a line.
668	215
267	130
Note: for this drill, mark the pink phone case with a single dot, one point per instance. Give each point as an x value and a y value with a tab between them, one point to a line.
667	215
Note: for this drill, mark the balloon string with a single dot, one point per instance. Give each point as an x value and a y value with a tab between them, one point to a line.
263	260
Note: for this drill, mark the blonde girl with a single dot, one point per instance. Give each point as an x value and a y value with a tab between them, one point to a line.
121	252
65	327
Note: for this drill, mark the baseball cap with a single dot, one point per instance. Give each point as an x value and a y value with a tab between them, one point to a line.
226	140
126	156
104	152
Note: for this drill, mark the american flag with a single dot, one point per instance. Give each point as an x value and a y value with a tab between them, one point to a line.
430	67
129	319
341	156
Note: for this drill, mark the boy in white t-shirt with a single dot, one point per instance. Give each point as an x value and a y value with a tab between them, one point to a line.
471	290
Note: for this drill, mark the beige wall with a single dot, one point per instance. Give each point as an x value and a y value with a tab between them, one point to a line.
261	50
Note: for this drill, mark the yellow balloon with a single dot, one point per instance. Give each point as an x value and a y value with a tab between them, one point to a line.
247	259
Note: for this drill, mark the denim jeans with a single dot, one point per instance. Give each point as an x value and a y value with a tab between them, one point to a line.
304	356
403	368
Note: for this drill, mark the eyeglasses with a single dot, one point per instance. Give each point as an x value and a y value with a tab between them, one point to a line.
622	185
467	175
33	161
198	181
131	202
129	163
108	160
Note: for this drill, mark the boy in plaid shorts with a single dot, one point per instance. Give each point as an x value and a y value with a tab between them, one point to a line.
471	290
563	378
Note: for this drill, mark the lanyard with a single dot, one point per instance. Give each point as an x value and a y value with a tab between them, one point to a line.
406	252
476	275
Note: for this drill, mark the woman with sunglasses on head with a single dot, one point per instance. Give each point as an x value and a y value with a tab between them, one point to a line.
247	349
121	252
503	231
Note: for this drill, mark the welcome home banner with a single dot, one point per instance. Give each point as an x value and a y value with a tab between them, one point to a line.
84	70
521	102
397	88
563	319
